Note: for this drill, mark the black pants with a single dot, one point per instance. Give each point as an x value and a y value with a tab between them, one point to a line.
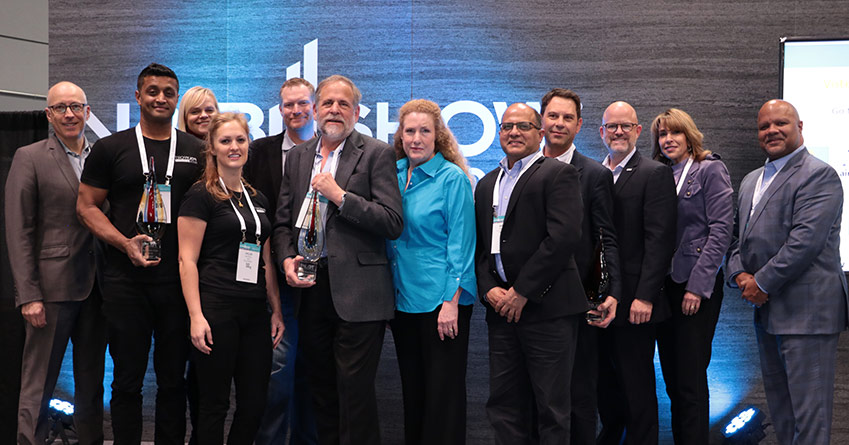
433	377
133	312
341	358
627	402
585	386
241	354
684	345
530	364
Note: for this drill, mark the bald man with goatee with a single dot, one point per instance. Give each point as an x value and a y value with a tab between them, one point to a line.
786	261
52	260
644	215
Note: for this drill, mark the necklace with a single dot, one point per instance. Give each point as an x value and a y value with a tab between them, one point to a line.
238	196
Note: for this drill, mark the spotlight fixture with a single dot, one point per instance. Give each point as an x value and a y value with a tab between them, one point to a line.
60	420
746	428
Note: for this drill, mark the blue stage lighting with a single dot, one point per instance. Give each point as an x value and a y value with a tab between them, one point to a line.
745	428
62	406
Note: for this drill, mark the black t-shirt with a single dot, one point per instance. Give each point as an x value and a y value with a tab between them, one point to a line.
115	165
219	251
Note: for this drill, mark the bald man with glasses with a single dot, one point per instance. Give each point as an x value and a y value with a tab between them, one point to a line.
52	260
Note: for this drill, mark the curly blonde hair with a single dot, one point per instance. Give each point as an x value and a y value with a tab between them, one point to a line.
445	142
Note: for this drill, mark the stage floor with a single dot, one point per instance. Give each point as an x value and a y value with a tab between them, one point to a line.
734	379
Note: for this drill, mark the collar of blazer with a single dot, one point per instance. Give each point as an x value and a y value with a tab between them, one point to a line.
54	147
789	169
690	174
351	153
517	189
627	171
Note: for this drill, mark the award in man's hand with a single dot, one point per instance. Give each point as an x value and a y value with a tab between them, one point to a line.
597	281
151	218
311	239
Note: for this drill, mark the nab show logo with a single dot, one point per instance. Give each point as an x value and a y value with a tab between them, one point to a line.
384	128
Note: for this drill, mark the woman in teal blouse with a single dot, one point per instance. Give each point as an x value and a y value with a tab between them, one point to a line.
433	271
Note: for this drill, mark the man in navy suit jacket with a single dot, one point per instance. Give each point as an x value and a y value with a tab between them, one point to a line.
561	120
644	212
787	262
288	406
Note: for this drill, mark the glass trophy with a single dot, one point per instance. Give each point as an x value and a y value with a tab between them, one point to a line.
310	241
597	281
151	217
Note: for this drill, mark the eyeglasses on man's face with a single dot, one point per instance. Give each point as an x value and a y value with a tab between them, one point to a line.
626	127
524	126
76	108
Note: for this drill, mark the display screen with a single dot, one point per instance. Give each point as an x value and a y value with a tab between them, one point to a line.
815	79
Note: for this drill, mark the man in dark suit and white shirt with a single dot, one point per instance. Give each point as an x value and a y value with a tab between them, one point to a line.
342	314
561	121
644	214
528	214
287	411
787	262
52	261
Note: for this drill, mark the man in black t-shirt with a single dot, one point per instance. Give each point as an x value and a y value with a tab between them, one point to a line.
143	297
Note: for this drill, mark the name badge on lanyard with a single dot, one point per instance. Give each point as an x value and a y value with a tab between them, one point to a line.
164	189
247	264
497	225
498	221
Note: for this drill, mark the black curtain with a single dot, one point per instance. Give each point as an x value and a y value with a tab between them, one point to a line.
17	129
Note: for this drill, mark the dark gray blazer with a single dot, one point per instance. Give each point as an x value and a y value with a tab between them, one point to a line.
791	245
360	278
705	225
51	253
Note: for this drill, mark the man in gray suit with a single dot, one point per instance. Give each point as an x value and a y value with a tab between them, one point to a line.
342	314
52	259
787	262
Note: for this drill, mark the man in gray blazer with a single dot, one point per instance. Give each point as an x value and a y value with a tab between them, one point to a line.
52	260
342	314
787	262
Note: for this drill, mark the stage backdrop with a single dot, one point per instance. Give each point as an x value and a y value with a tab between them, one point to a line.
716	59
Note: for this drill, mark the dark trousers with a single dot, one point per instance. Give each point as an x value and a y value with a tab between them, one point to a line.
684	345
530	364
11	349
288	410
585	387
433	377
241	354
44	349
627	402
135	311
341	359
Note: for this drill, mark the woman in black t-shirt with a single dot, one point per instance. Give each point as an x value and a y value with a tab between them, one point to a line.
223	235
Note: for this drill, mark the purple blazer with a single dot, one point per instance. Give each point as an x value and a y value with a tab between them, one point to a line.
705	225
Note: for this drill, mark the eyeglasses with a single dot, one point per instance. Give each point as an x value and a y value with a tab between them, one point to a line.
626	127
524	126
76	108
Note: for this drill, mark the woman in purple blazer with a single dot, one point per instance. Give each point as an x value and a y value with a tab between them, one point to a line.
694	284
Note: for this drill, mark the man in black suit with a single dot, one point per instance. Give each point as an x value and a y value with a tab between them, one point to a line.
561	121
644	212
528	216
287	411
342	314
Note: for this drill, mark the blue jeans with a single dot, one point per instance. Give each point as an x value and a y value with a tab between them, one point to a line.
288	410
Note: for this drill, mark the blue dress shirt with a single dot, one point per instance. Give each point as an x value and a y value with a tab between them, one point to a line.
434	256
